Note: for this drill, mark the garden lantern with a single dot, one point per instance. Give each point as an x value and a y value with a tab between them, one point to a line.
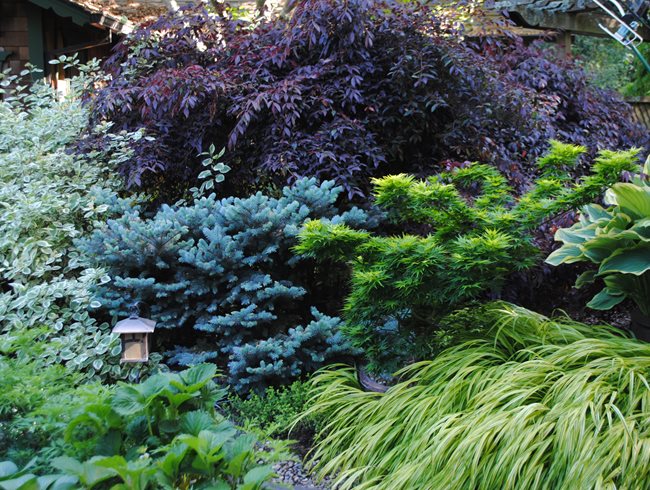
134	333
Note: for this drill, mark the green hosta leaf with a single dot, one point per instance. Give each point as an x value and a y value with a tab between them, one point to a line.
603	247
586	277
595	212
633	199
620	221
642	227
566	254
606	299
575	236
631	261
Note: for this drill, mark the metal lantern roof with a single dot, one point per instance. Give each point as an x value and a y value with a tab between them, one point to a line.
134	324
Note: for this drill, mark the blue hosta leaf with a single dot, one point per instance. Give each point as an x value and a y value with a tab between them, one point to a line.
566	254
627	261
7	468
606	299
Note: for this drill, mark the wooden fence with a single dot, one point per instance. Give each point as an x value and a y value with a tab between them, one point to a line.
640	109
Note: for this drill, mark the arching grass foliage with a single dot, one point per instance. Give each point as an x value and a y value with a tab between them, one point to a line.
538	403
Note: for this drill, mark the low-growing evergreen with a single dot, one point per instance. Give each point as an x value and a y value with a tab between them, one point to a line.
469	232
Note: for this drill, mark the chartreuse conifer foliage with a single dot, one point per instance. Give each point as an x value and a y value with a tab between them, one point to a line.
536	404
224	268
472	233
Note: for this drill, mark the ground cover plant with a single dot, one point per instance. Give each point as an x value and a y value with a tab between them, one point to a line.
535	403
161	433
468	233
343	90
274	412
616	238
221	272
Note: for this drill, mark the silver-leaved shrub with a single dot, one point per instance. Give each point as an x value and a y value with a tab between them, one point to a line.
49	197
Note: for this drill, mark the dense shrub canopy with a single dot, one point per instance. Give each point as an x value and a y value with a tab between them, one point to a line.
222	271
469	234
342	90
49	198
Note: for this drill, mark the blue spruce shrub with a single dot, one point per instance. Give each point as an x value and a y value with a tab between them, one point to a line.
287	356
224	269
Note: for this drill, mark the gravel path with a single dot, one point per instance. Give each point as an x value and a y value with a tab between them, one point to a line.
292	474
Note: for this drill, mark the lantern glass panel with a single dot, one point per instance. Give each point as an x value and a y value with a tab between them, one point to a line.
134	348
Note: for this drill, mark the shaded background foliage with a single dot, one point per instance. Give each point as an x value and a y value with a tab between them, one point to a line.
343	91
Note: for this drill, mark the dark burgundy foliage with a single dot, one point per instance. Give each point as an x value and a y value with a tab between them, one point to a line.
573	110
344	89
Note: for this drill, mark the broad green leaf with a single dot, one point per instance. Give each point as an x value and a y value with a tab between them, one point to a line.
631	261
633	199
217	485
574	236
194	422
258	475
606	299
129	401
197	376
586	277
24	482
58	482
602	247
177	399
642	227
596	212
566	254
7	468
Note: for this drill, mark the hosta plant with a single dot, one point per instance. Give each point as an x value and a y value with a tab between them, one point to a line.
616	238
468	233
535	404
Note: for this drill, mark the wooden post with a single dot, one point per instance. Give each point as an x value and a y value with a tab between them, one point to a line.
35	36
566	42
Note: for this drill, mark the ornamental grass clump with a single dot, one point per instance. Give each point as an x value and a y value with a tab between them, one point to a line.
537	403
